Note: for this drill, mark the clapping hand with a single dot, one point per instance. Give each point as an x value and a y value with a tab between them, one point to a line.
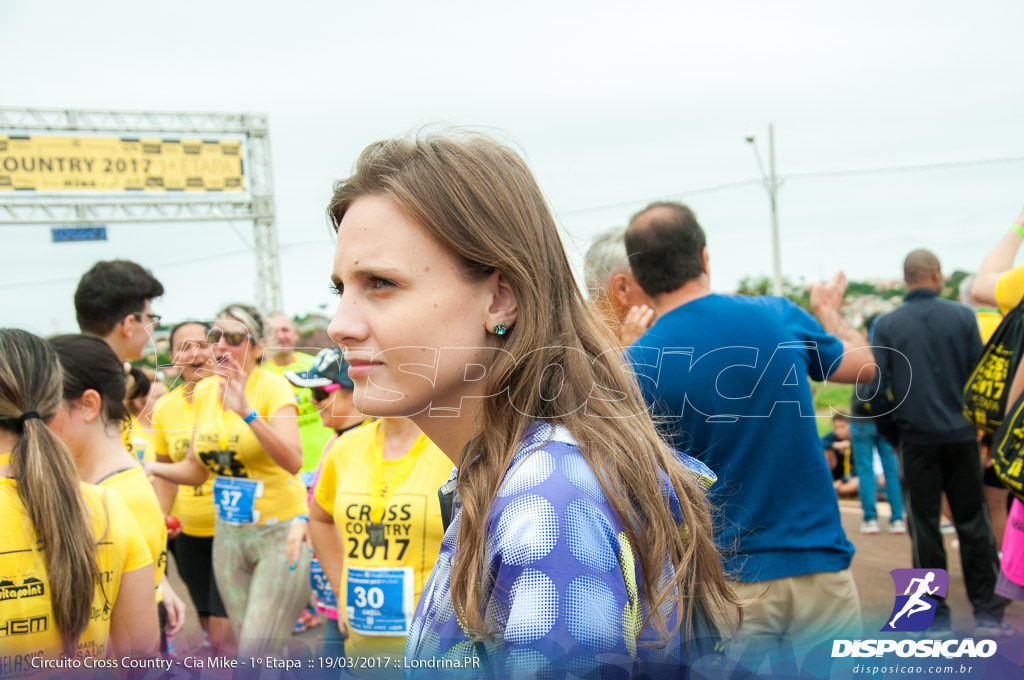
828	296
232	388
638	320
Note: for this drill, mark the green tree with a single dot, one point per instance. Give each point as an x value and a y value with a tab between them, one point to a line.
762	285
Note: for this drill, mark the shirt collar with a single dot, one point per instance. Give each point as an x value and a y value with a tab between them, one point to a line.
920	294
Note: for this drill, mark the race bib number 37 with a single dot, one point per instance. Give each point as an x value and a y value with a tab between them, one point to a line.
379	601
236	499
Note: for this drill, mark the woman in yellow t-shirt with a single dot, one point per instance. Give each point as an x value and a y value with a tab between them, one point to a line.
75	573
376	527
89	422
173	424
246	434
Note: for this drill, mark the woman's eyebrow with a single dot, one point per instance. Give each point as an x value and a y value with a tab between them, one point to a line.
371	271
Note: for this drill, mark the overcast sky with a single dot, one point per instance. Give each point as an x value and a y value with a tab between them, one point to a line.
614	104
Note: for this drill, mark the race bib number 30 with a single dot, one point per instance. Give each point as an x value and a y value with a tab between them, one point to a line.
236	499
379	601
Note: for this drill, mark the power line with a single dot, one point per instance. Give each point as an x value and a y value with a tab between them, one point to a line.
823	174
162	265
664	197
906	168
165	265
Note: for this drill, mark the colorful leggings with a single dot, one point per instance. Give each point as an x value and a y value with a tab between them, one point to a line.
262	595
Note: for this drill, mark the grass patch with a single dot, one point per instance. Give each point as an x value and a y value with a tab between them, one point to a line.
830	395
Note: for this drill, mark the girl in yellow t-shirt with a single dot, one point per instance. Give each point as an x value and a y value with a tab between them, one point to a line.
141	400
376	527
89	421
246	434
75	572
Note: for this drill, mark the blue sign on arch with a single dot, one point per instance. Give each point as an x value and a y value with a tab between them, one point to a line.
71	234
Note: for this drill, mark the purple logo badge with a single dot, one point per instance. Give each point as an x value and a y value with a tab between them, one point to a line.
914	611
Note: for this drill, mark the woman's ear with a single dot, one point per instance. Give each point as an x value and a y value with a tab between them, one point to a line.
503	307
91	404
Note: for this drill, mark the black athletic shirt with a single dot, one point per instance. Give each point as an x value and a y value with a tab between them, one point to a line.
941	343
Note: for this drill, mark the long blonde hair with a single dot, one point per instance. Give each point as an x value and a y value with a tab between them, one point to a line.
31	379
480	201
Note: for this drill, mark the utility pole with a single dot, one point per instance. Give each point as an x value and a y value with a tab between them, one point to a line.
772	185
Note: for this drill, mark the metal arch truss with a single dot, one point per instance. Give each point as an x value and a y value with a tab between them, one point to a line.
257	205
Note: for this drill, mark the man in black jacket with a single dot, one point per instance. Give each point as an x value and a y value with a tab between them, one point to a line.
938	447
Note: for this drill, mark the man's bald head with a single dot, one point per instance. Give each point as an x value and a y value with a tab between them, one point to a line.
284	333
666	247
921	269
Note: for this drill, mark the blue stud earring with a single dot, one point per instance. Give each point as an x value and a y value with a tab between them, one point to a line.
500	329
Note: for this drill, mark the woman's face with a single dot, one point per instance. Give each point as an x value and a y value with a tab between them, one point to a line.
409	322
337	409
157	389
228	358
192	352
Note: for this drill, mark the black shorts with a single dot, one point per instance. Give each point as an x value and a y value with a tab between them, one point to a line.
194	557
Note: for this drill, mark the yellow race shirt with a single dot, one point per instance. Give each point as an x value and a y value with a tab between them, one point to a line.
173	420
988	322
312	431
1010	288
137	492
381	584
27	630
141	442
250	487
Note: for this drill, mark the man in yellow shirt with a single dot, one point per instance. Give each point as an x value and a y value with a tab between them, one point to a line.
281	356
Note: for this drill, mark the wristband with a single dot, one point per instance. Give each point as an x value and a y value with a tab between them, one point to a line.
251	417
304	518
1019	229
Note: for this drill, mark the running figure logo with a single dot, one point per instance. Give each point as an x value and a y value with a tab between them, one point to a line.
914	611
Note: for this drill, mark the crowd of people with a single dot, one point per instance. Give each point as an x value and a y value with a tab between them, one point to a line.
488	465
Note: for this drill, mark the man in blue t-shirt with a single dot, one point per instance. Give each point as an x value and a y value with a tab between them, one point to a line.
728	377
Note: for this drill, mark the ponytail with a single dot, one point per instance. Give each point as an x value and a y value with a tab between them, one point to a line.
47	481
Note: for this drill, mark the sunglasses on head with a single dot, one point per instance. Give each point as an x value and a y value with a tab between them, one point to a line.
321	393
233	338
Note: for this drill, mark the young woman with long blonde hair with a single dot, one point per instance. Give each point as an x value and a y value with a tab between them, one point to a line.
75	569
578	539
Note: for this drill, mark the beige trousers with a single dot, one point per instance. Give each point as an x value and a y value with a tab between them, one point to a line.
795	614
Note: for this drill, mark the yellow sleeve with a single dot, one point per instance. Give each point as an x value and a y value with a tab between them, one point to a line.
275	392
126	532
1010	289
327	485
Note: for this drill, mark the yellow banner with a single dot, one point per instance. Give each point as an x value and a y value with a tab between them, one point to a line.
112	164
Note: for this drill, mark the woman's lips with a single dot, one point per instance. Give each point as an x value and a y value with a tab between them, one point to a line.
360	369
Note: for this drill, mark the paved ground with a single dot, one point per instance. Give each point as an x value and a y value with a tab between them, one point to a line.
876	556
